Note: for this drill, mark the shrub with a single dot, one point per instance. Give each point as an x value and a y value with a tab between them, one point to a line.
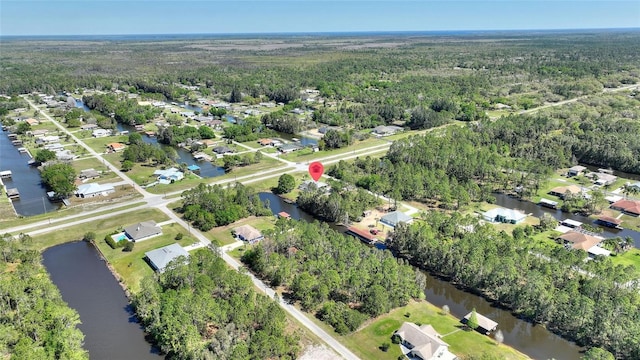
128	246
110	241
89	237
179	236
396	339
385	346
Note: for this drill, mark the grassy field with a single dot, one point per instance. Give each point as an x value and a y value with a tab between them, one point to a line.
100	144
628	258
221	235
307	154
101	227
366	341
131	266
6	207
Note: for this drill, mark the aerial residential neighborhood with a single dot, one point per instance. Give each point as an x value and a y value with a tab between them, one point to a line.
434	196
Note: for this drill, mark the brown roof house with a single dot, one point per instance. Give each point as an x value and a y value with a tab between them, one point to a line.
248	233
629	207
143	230
424	342
561	191
579	241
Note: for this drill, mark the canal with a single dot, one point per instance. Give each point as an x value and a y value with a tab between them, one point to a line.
86	284
33	195
533	340
530	208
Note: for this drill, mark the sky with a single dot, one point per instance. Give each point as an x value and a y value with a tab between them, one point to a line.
117	17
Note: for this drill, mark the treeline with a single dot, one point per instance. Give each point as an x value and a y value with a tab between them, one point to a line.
337	277
282	122
208	206
201	309
337	205
173	135
35	323
602	131
543	284
249	129
124	111
450	169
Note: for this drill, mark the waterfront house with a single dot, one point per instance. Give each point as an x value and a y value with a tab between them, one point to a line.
384	130
504	215
485	325
393	218
635	186
287	148
264	142
248	233
98	133
32	121
160	258
629	207
221	150
562	191
47	139
311	185
143	230
94	189
424	342
602	179
169	175
581	241
89	127
576	170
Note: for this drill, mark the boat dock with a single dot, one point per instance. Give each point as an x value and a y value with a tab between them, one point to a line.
609	222
362	235
5	174
13	194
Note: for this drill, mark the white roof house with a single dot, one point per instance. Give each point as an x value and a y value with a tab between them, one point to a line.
395	217
94	189
504	215
100	133
424	342
160	258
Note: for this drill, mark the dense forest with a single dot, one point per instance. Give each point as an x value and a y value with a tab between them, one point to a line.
35	323
595	310
201	309
208	206
335	276
337	204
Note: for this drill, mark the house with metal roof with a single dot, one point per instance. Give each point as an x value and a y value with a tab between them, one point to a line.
94	189
395	217
504	215
424	342
248	233
142	231
160	258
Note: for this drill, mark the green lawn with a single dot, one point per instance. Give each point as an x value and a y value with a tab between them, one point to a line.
100	144
221	235
307	154
628	258
101	227
366	341
131	266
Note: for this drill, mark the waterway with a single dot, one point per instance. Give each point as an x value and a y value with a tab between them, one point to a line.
533	340
86	284
33	195
530	208
207	169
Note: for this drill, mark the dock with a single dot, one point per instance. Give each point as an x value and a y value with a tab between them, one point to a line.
362	235
13	194
16	142
548	203
609	222
5	174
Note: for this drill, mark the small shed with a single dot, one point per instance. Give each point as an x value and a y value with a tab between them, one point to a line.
485	325
284	215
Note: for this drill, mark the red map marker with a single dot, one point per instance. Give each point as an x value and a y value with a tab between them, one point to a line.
316	169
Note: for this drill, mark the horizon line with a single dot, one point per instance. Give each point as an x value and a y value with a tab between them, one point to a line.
356	32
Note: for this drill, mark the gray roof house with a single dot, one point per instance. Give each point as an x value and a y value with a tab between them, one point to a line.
393	218
248	233
160	258
143	230
384	130
424	342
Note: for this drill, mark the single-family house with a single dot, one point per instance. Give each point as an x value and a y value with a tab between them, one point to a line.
393	218
32	121
143	230
485	325
115	147
222	150
635	186
169	175
504	215
311	185
629	207
160	258
98	133
576	170
384	130
287	148
47	139
602	179
65	155
94	189
562	191
424	342
89	174
580	241
89	127
39	132
264	142
248	233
